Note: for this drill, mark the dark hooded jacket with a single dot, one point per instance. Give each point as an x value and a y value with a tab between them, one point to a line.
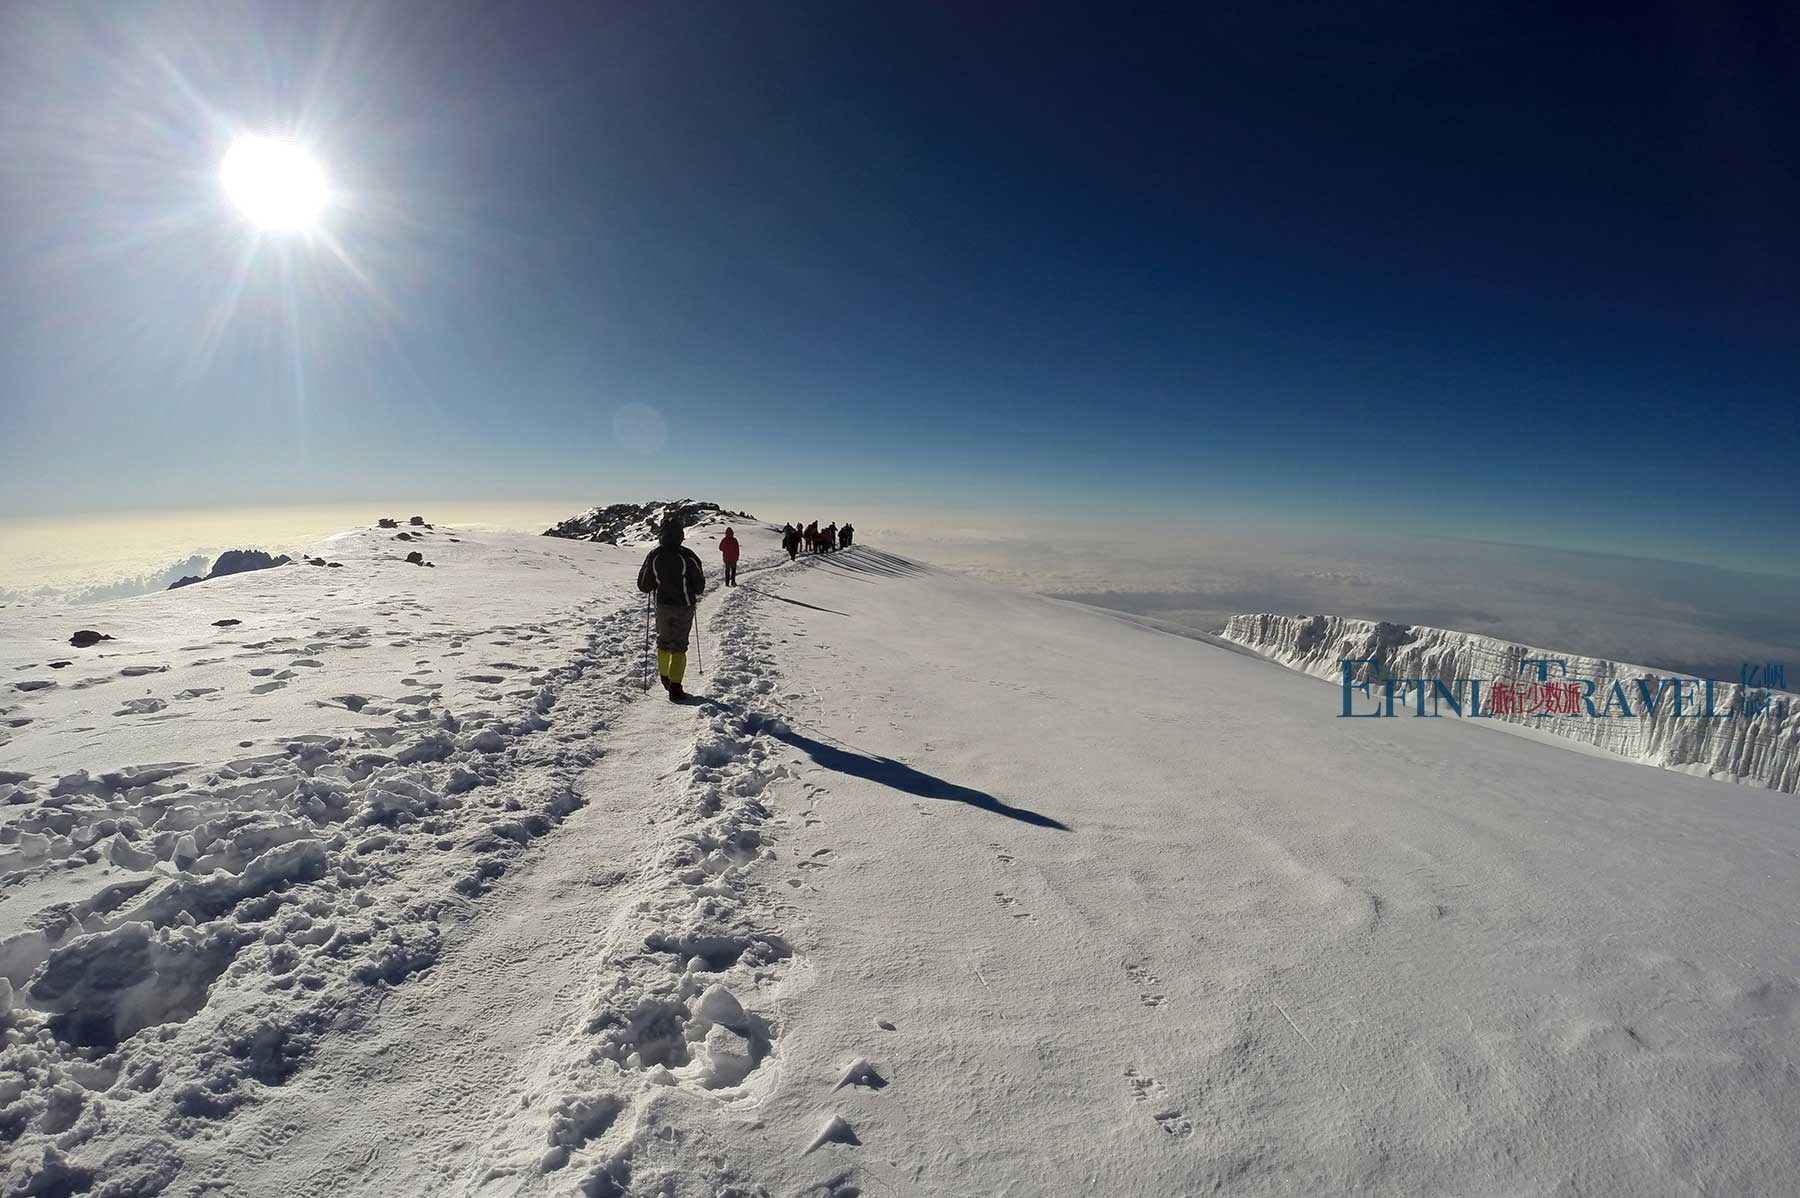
672	572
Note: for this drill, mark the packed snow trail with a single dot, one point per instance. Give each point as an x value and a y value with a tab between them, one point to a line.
406	1099
589	1019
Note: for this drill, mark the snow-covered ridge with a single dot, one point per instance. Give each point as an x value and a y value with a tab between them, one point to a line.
638	523
1761	749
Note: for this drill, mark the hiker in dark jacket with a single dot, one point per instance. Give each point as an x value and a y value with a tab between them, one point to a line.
829	538
844	535
673	574
790	540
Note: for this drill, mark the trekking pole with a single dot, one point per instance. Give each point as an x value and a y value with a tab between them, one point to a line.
699	660
645	670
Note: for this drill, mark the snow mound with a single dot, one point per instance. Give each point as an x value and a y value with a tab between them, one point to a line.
639	523
1758	749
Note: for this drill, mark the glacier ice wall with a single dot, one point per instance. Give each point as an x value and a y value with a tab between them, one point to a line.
1762	749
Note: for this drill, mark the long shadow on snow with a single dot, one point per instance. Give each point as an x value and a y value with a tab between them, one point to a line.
885	771
744	586
859	559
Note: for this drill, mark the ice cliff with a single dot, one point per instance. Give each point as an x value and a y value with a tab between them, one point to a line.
1760	749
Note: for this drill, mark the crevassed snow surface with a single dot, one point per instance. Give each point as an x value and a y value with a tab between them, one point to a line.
943	889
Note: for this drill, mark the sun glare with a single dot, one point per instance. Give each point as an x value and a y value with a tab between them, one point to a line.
274	183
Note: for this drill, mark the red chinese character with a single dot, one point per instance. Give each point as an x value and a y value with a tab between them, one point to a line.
1562	698
1507	698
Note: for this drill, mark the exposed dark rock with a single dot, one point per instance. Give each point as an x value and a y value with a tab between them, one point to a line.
315	561
239	561
636	521
235	561
58	665
335	565
417	522
416	558
225	623
86	637
403	536
387	522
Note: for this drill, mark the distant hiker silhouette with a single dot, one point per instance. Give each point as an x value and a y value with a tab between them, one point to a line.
673	574
844	535
790	540
828	538
728	549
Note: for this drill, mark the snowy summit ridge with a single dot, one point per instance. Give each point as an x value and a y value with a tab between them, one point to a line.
386	881
637	523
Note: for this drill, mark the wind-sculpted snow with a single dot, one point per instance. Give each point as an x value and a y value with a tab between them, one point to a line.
1761	748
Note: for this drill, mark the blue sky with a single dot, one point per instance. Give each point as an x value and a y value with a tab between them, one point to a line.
1511	273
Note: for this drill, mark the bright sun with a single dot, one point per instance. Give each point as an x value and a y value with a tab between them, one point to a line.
274	183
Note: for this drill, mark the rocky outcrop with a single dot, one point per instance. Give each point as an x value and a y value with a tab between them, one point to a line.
235	561
1761	748
637	523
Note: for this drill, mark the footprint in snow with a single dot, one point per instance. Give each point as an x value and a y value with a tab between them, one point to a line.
1148	982
1010	905
1153	1094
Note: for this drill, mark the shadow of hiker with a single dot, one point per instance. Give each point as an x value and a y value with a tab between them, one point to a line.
744	586
888	772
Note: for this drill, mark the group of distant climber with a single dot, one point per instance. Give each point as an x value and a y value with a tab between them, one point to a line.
815	539
672	572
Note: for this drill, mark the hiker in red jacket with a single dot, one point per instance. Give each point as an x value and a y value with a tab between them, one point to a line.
728	549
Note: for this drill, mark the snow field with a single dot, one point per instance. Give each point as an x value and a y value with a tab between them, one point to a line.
940	888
